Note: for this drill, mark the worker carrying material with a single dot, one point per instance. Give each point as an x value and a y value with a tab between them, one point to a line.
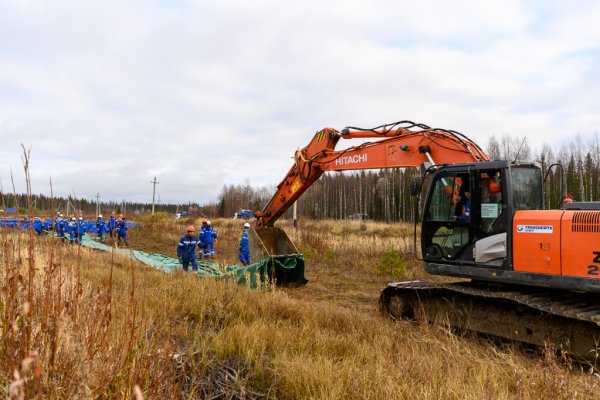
244	255
186	249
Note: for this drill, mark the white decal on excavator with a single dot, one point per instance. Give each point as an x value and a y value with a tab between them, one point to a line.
535	229
351	159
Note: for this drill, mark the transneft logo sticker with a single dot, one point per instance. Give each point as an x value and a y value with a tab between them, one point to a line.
535	229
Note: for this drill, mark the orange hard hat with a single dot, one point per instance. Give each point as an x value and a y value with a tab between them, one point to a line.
190	228
494	187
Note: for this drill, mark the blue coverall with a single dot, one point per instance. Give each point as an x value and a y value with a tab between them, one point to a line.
62	228
37	226
122	231
112	225
207	238
80	231
46	225
186	251
102	228
71	229
244	248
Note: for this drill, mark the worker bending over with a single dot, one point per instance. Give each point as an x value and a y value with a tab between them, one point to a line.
186	249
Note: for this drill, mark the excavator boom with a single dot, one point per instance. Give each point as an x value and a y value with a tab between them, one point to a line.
402	144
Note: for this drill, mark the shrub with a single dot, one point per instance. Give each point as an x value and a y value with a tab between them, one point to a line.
392	263
157	217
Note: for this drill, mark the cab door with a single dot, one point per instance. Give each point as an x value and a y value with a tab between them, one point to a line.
447	230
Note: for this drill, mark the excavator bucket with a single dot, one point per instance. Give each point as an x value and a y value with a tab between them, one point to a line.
286	262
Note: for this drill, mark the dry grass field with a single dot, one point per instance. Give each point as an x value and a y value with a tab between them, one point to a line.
76	323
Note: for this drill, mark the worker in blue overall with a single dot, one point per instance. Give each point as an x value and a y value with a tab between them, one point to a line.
122	230
112	224
37	226
215	236
61	226
80	230
101	227
207	237
71	229
186	249
244	255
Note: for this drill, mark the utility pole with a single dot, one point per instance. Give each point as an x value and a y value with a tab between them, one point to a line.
155	182
97	204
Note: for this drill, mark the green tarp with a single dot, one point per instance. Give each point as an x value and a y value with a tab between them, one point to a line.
287	269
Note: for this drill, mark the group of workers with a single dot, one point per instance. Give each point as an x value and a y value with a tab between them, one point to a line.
114	226
73	228
191	247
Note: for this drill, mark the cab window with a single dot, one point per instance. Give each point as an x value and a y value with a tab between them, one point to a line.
527	188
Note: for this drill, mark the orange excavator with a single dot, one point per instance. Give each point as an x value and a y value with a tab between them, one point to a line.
531	275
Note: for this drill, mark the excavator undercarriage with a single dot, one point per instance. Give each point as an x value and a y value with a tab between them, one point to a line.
536	316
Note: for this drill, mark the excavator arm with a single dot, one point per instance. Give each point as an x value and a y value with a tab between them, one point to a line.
401	144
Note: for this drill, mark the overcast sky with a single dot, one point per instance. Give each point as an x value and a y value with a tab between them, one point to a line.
108	94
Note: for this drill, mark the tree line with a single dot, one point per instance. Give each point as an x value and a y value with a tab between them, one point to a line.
375	194
74	205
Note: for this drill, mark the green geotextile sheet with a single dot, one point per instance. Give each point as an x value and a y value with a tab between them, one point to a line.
287	269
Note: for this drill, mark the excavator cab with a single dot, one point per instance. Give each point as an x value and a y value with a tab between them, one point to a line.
468	213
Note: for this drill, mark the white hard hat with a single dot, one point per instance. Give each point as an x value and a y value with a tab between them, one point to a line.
100	216
80	218
208	223
246	226
72	218
60	215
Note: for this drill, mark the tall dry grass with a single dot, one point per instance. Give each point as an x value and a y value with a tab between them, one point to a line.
82	324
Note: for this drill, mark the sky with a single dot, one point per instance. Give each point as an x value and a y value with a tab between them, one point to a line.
109	94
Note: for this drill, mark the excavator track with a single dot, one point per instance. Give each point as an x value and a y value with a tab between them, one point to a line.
537	316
